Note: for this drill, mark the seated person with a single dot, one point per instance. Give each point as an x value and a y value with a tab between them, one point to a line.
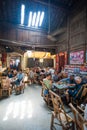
60	76
15	72
42	76
70	80
10	74
55	84
55	76
84	79
64	75
73	92
48	83
18	78
31	75
5	72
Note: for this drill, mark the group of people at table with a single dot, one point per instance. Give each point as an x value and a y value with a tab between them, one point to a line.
71	85
52	80
14	77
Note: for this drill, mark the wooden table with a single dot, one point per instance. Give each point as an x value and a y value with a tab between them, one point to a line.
60	88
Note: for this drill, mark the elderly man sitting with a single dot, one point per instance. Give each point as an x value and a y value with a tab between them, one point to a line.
72	91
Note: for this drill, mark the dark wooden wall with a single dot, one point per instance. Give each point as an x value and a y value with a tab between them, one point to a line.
36	63
23	35
75	38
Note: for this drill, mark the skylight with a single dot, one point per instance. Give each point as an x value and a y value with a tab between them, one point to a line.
30	19
41	18
38	18
22	14
35	19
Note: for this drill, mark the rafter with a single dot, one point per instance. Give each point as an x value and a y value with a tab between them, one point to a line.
53	4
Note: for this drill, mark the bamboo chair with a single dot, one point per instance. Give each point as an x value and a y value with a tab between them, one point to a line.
47	97
78	119
42	90
59	113
20	89
5	87
83	93
26	80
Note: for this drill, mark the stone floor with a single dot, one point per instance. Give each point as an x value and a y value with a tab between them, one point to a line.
26	111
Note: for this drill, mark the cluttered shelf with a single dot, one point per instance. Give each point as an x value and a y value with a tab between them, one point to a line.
76	69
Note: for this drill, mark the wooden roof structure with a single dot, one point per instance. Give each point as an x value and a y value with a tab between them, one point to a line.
16	37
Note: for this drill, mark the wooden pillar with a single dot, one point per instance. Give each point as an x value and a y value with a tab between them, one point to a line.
57	62
65	54
68	40
85	45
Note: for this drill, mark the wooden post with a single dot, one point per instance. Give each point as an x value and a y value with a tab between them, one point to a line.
85	46
57	62
68	40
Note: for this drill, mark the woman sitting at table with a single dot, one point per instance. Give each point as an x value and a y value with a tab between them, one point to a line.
48	83
72	91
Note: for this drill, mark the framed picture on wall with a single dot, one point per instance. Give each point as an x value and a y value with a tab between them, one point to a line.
77	57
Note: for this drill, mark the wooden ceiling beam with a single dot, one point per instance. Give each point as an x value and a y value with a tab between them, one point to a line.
53	4
26	44
22	49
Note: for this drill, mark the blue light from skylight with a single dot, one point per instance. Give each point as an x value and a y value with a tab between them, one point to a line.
30	19
37	19
22	14
41	18
34	19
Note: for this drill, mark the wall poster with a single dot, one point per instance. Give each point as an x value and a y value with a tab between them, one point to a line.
77	57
